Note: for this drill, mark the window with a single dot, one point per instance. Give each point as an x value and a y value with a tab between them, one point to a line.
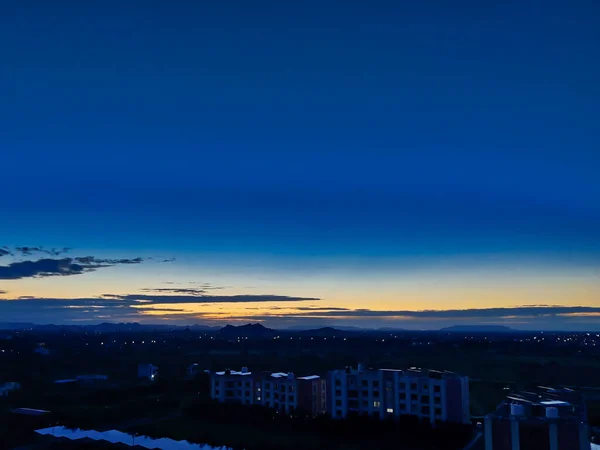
425	399
290	388
375	393
338	403
338	383
414	397
365	393
258	398
365	403
402	395
437	389
390	410
247	393
365	383
247	384
413	386
437	400
239	384
376	404
267	385
375	383
425	410
291	399
258	389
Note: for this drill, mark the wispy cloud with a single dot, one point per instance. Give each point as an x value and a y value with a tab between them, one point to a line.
28	251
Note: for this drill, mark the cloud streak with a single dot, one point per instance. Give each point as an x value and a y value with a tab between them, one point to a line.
28	251
144	298
461	314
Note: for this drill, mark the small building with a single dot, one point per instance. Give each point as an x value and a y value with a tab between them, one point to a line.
147	371
541	419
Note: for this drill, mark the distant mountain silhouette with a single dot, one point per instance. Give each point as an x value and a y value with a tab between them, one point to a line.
251	330
478	329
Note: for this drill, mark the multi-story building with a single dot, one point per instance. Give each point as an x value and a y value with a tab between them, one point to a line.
428	394
542	419
281	391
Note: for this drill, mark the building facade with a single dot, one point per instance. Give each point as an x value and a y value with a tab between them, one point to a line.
542	419
430	395
281	391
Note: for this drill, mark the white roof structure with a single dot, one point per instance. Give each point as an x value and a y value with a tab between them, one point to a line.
279	374
554	403
310	377
233	372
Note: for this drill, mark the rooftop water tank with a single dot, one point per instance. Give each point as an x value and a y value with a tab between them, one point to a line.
361	367
517	410
290	376
244	369
552	412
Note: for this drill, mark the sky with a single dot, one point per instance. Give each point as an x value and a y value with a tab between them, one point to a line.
375	164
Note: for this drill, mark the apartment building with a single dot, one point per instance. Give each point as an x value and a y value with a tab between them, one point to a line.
541	419
428	394
281	391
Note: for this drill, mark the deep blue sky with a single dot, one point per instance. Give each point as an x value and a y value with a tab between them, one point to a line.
279	135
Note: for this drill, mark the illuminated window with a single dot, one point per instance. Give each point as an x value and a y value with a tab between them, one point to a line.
390	410
258	398
376	404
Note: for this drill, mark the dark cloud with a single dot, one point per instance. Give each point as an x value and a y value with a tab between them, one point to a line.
189	291
207	298
93	261
28	251
319	308
460	314
3	292
49	267
4	251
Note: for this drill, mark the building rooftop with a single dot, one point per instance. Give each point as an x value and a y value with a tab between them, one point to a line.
310	377
412	371
233	372
542	403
